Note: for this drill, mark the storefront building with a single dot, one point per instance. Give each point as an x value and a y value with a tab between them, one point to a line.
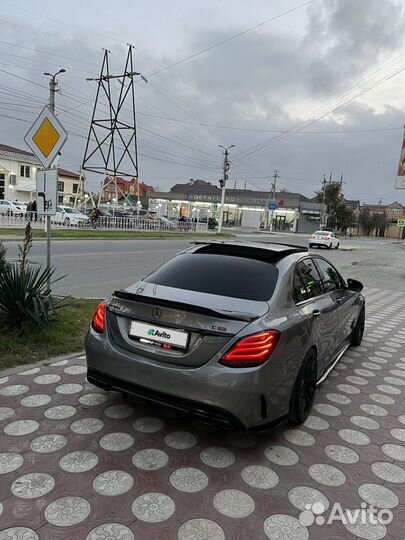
199	200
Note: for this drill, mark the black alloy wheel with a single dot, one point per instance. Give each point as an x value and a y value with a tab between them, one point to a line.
303	394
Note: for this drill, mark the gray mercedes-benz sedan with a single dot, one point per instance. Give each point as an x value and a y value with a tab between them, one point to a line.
235	333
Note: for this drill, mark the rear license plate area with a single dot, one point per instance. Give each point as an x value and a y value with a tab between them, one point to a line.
159	336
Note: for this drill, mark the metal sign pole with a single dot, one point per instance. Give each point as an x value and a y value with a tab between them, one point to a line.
46	137
52	92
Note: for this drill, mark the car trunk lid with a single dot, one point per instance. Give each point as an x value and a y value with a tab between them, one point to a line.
141	318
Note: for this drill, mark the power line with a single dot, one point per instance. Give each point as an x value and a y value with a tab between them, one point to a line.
64	23
32	29
23	78
46	52
312	121
325	107
42	62
261	130
230	38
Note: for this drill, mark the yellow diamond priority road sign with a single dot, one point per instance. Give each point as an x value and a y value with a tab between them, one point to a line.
46	137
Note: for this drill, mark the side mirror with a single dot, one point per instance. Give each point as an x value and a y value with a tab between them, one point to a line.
354	285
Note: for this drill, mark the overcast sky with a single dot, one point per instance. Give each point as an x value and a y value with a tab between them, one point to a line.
330	75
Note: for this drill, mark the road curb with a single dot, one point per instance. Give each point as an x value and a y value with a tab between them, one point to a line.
46	362
104	238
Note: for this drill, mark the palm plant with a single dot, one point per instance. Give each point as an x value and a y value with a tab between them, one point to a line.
25	300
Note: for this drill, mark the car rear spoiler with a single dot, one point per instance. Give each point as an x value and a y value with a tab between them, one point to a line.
223	313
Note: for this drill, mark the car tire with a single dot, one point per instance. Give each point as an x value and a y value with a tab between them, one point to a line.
337	245
303	392
358	331
66	222
311	246
330	245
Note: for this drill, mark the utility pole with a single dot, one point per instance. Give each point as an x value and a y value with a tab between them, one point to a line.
53	88
222	183
273	195
323	209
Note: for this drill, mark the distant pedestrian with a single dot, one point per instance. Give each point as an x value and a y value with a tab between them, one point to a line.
34	209
94	216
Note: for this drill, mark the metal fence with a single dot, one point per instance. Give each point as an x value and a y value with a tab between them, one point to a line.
106	223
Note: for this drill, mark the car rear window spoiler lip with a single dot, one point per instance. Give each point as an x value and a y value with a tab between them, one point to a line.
242	250
224	314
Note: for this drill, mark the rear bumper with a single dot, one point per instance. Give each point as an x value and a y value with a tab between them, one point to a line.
231	398
201	411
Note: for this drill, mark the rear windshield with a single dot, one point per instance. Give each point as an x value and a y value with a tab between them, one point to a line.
322	233
224	275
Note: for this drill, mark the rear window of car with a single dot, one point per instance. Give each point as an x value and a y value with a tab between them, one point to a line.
224	275
322	233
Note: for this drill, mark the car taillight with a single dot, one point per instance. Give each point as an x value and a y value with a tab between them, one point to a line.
98	320
252	350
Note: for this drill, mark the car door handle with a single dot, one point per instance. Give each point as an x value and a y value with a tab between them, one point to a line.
316	314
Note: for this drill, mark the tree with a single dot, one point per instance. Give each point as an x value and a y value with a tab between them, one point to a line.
380	223
339	215
371	222
345	216
366	220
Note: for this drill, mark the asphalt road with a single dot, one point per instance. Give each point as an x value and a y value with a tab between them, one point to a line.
95	268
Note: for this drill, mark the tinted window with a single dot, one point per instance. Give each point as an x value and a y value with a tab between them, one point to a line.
224	275
310	277
299	290
329	275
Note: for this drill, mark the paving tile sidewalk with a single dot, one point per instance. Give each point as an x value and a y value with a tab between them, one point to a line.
80	463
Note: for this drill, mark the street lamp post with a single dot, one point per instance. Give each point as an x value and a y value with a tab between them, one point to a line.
223	184
53	83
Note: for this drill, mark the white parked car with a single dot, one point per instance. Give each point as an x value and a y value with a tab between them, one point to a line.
326	239
12	208
65	215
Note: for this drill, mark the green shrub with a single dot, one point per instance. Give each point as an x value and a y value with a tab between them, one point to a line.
25	300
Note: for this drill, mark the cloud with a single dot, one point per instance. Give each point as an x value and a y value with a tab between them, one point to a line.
347	38
269	79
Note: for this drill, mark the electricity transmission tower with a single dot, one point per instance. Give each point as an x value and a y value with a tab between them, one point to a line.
112	147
